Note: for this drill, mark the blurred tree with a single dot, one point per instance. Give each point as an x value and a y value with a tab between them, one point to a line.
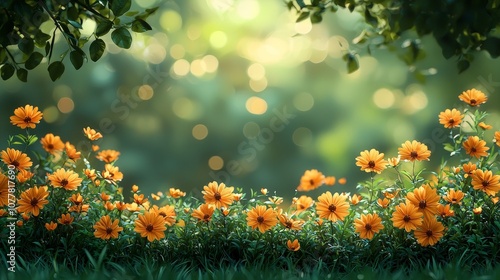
24	44
460	27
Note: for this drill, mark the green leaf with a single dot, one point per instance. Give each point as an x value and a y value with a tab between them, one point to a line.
76	58
463	65
316	17
41	38
33	61
300	3
56	69
121	37
103	27
352	62
22	74
26	46
119	7
302	16
7	71
140	25
96	49
492	46
75	24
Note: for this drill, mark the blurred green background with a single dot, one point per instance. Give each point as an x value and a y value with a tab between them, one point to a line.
236	91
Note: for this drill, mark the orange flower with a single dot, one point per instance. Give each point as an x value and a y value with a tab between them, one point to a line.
484	126
78	205
425	199
263	191
66	219
262	218
371	161
104	196
150	225
50	226
112	174
176	193
473	97
311	180
95	148
390	193
120	205
90	173
275	200
486	181
469	169
394	161
91	134
26	117
32	200
450	118
355	199
367	225
406	216
135	188
332	207
106	229
454	197
414	151
384	203
17	158
108	156
167	212
475	147
293	245
445	211
290	223
71	151
139	199
303	203
218	194
237	196
477	210
204	212
429	232
109	206
24	175
497	138
67	179
342	181
329	180
52	144
4	190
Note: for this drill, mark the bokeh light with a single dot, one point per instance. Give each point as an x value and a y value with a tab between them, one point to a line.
65	105
200	132
215	163
256	105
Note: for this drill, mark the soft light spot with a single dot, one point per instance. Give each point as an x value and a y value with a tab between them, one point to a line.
419	100
256	71
248	9
155	53
251	130
171	21
145	92
303	27
303	101
181	67
146	3
88	27
383	98
61	91
65	105
302	136
337	46
200	131
198	67
185	108
211	63
177	51
50	114
256	105
218	39
258	85
215	163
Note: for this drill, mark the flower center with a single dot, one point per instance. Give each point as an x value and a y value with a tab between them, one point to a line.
34	202
311	182
206	217
27	120
486	183
289	224
371	164
422	204
428	233
109	230
150	228
413	154
473	150
407	219
473	101
217	196
15	163
50	146
368	227
332	208
451	121
64	182
260	219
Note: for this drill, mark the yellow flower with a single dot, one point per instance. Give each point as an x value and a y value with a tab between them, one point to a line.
91	134
16	158
332	207
414	151
150	225
311	180
367	225
450	118
394	161
33	200
204	212
105	228
262	218
429	232
406	216
26	117
475	147
473	97
293	245
67	179
52	144
218	194
371	161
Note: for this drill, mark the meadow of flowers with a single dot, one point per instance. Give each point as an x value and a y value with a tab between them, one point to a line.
64	207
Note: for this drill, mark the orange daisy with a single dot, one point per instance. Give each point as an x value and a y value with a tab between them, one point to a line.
475	147
371	161
290	223
414	151
367	225
204	212
332	207
469	168
33	200
384	203
303	203
329	180
262	218
50	226
26	117
311	180
218	194
486	181
112	174
450	118
105	228
24	175
66	219
293	245
484	126
167	212
176	193
91	134
150	225
454	197
4	190
473	97
497	138
52	143
66	179
445	211
71	151
16	158
406	216
425	199
108	156
429	232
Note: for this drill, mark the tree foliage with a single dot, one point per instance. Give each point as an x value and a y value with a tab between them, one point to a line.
24	44
460	27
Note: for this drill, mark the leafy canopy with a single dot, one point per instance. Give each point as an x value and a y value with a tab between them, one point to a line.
24	45
460	27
